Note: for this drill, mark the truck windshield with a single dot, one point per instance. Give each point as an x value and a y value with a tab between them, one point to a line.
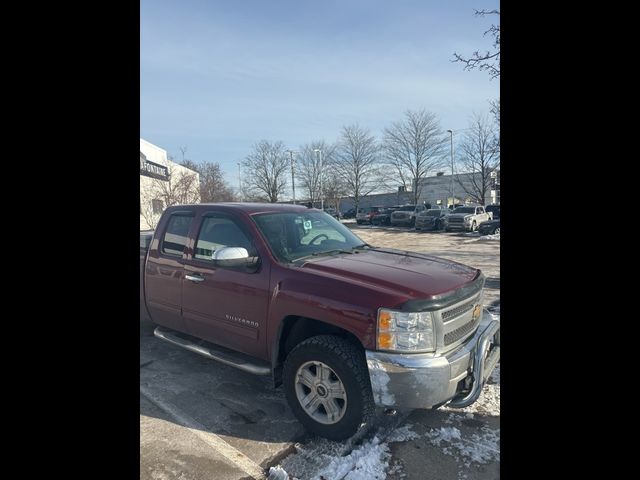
292	236
465	210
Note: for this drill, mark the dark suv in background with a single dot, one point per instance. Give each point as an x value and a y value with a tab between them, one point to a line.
433	219
494	210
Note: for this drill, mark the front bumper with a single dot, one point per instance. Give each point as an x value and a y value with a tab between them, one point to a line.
459	226
430	380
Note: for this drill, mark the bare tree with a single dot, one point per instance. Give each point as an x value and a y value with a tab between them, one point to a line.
479	156
213	187
495	110
488	60
148	209
265	171
356	161
310	164
414	147
180	188
334	188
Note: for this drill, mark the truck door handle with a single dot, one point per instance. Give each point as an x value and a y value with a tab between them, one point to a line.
195	278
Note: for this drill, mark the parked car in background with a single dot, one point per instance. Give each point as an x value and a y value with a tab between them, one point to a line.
494	210
406	214
351	213
492	227
383	216
433	219
365	214
467	218
333	212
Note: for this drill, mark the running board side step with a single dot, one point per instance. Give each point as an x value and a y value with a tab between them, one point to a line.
214	352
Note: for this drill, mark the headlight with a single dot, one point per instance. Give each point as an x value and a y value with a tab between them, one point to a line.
408	332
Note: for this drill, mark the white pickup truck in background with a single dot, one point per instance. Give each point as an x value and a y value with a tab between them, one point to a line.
467	218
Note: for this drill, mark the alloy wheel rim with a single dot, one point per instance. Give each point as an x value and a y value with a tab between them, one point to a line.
320	392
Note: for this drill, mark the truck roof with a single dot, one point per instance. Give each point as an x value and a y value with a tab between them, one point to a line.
251	208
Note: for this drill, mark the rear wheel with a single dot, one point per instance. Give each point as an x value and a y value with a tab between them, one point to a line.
326	382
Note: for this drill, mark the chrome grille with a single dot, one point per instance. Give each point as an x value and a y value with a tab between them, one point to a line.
456	220
455	312
459	332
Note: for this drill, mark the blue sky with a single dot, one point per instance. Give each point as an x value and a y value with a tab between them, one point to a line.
218	76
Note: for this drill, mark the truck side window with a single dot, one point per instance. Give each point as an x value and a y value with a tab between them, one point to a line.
217	232
175	237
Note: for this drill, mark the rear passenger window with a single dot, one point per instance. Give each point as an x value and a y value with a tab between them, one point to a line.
175	238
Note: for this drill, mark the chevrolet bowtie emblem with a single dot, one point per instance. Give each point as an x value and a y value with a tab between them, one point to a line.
477	310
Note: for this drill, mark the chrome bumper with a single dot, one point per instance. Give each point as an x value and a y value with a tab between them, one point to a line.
428	380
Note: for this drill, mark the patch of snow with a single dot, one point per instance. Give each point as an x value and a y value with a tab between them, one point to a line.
278	473
324	459
484	238
479	448
445	433
367	462
402	434
490	237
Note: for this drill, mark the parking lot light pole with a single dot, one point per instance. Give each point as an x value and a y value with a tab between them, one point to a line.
239	183
293	182
453	197
319	151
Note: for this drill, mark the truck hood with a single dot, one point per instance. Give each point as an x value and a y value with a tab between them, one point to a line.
460	215
413	275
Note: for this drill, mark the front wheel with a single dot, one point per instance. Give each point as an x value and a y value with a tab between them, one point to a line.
326	382
474	226
496	231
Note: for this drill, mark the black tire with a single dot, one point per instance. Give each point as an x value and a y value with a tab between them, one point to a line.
496	231
474	226
349	364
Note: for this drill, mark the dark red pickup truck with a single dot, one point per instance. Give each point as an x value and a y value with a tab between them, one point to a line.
288	291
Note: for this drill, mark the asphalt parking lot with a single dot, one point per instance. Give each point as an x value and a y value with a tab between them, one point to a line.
203	420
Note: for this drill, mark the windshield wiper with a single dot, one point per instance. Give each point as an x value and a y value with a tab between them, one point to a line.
326	252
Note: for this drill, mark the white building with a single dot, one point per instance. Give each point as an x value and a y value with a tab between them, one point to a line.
163	183
437	190
442	189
